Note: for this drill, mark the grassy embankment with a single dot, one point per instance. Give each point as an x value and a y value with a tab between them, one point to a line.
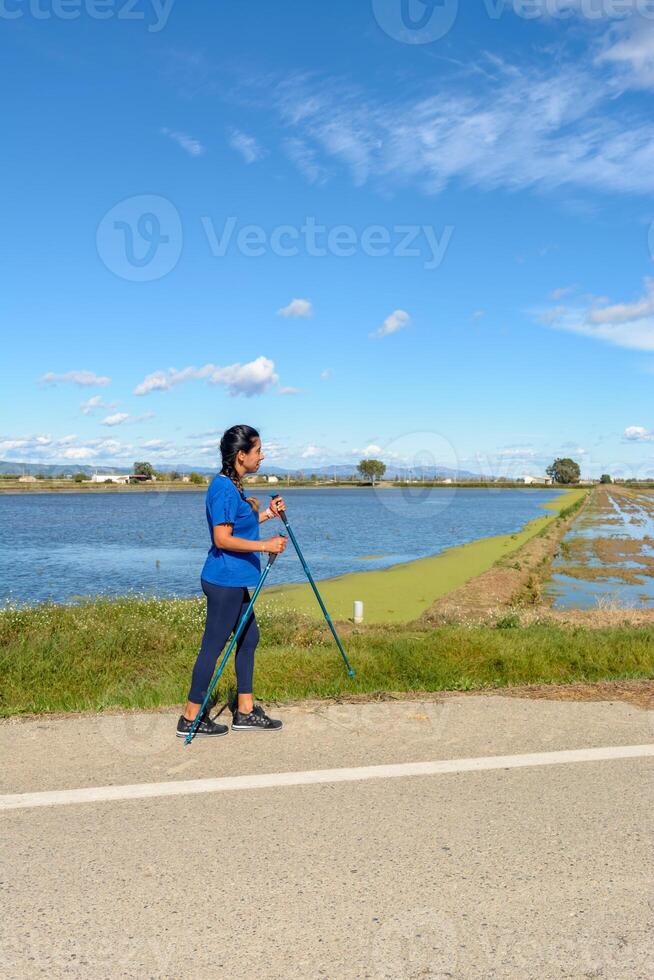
132	653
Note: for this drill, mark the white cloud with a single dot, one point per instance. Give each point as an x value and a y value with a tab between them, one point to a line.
638	433
95	404
156	444
626	312
83	378
577	450
397	320
116	419
629	48
206	435
629	325
311	452
306	160
326	374
124	418
38	444
560	293
253	378
297	308
79	452
246	145
192	146
550	126
290	391
43	448
478	314
9	445
517	452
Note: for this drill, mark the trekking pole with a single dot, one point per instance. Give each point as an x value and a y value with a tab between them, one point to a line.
237	633
283	516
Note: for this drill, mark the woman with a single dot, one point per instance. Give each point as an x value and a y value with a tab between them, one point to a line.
232	566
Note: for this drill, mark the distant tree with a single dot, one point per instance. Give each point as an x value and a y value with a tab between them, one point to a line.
40	476
313	477
196	478
144	469
369	469
79	477
174	475
605	478
564	471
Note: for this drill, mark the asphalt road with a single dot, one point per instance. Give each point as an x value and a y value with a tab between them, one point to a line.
523	871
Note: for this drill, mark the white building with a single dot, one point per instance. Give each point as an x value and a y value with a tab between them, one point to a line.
272	479
112	477
534	479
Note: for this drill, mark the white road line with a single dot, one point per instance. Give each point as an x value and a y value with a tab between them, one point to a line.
141	791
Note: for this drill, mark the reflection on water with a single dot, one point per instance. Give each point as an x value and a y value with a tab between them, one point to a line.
621	528
62	546
573	593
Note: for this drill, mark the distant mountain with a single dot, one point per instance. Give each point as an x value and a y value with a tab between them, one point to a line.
341	470
55	469
416	472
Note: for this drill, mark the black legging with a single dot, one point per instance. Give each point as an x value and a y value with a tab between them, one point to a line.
226	605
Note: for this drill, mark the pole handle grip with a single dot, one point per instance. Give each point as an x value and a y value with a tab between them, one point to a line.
282	515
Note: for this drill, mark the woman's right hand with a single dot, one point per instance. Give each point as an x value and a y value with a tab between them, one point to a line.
275	546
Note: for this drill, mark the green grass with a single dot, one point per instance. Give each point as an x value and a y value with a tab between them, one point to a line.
139	653
403	592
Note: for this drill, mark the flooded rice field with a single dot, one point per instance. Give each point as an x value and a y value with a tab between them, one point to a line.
607	557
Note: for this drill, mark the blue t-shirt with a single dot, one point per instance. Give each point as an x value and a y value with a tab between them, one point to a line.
224	503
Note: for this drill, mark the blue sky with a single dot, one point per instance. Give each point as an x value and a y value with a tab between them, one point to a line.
361	235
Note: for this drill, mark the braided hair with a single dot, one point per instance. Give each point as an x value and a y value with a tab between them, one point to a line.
240	438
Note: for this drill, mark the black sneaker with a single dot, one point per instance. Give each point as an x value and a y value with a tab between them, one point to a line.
256	721
206	727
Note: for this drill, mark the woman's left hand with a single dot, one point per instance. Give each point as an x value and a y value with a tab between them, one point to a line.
277	506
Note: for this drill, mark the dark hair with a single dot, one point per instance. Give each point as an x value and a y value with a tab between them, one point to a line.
240	438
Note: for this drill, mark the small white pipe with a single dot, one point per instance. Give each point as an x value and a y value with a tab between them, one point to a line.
358	611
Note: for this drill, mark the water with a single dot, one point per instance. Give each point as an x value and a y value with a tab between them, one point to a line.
61	547
630	518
